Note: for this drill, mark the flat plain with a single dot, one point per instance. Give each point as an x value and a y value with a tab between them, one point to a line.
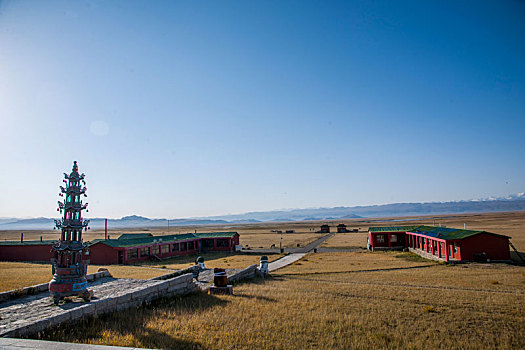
327	300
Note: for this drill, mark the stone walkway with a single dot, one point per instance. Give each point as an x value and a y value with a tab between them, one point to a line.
30	344
305	249
285	261
31	310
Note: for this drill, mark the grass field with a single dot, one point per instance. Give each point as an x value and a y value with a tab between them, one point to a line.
346	240
327	300
14	275
351	300
222	260
260	234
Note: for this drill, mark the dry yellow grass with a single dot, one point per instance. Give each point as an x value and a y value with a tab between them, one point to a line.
15	275
346	240
410	307
266	240
211	260
507	223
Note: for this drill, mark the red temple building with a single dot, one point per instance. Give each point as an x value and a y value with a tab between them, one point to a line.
441	243
128	248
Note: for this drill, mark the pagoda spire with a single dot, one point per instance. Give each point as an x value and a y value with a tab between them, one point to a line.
69	265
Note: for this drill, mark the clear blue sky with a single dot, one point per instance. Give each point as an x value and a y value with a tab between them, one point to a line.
193	108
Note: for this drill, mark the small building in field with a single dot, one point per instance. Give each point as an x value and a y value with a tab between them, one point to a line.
341	228
441	243
324	229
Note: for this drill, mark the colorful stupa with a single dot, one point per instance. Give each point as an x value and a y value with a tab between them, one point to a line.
69	266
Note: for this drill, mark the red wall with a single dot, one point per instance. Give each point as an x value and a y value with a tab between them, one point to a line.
400	239
26	252
496	248
101	254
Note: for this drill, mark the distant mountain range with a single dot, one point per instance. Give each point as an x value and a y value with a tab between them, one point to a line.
509	203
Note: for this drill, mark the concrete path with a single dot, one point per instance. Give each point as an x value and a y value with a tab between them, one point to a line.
26	344
285	261
312	245
298	254
304	249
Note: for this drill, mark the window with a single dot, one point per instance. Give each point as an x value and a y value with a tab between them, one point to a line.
183	246
191	245
175	247
208	243
144	251
132	253
380	239
455	247
165	248
393	238
155	250
223	242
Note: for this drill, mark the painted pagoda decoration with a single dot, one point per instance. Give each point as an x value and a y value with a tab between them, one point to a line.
69	265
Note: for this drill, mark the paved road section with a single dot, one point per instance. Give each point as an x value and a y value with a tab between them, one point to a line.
304	249
285	261
312	245
26	344
297	254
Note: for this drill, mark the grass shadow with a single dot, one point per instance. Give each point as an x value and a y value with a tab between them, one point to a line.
256	297
132	322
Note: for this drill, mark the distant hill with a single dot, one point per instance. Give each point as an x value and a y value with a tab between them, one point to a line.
511	203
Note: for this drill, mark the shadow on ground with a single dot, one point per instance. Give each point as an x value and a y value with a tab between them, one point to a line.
132	323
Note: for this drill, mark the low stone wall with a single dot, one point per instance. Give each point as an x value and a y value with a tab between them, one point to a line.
39	288
173	274
249	272
25	315
121	294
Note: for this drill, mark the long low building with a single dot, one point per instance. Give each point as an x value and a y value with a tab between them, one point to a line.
441	243
128	248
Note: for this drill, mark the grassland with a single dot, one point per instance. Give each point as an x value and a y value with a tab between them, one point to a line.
329	300
260	234
346	241
222	260
350	300
15	275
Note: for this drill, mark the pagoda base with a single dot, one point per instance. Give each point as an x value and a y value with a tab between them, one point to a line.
66	285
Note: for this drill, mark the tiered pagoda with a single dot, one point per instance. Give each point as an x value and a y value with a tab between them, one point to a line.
69	266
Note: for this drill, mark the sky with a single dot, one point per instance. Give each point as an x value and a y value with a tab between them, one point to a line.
193	108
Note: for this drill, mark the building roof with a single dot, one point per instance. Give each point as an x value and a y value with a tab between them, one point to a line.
391	228
434	231
143	241
215	234
449	233
28	242
134	235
